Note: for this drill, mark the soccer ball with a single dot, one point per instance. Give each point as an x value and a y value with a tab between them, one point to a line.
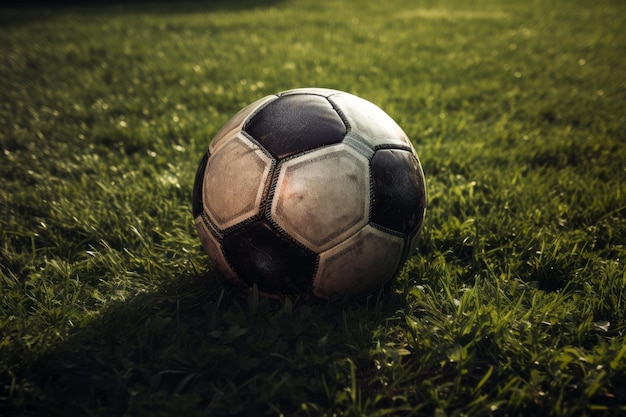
310	191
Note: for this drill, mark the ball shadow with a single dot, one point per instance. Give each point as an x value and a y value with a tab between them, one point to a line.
199	345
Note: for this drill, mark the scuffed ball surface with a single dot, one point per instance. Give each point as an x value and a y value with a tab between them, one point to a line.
311	191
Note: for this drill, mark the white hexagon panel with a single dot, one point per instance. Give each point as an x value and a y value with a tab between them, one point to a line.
369	122
234	182
326	92
358	265
322	197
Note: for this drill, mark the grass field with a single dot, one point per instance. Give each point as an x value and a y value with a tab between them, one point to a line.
514	305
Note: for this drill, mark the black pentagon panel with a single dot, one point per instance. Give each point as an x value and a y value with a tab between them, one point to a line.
197	208
296	123
399	190
260	255
241	115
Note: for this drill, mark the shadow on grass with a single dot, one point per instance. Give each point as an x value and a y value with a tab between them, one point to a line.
197	347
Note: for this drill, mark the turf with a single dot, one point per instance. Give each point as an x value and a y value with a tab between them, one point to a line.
514	304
